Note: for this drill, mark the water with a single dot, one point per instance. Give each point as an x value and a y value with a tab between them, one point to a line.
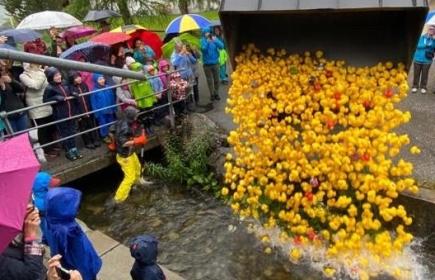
199	237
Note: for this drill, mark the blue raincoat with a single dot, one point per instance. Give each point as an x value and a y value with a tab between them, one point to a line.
40	189
102	98
68	238
144	250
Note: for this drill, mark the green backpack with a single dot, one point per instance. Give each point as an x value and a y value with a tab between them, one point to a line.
143	93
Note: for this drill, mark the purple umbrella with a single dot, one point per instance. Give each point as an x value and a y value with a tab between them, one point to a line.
18	168
78	32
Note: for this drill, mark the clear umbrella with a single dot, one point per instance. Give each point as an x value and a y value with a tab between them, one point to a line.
99	15
47	19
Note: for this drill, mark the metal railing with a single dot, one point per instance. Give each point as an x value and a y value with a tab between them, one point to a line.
10	133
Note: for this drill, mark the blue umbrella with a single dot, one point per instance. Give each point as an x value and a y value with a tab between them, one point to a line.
187	23
215	23
8	47
21	35
90	50
429	16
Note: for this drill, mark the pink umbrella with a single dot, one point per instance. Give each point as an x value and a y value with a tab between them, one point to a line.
18	168
78	32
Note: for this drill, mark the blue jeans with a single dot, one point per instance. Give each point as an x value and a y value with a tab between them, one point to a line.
19	123
223	73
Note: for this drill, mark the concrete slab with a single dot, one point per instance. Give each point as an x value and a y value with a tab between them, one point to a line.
102	243
118	262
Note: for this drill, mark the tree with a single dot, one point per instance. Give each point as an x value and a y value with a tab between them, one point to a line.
19	9
184	5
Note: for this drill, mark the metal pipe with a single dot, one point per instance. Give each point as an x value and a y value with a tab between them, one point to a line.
68	64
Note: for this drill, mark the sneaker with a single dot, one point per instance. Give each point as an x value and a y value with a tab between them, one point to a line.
107	140
90	146
423	91
414	90
97	144
217	97
76	153
70	155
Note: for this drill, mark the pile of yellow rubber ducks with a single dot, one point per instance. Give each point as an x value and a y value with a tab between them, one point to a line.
315	153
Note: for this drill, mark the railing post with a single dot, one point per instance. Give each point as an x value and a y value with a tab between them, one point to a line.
171	105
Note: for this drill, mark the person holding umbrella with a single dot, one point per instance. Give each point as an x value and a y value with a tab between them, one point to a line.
423	57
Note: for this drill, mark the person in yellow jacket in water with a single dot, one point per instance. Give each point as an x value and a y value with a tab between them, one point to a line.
128	133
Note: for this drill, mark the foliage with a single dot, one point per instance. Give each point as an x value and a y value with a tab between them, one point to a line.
19	9
186	161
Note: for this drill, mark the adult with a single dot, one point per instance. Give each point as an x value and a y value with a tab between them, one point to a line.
210	46
423	57
105	26
33	78
183	59
197	55
142	51
11	93
117	56
36	46
56	43
69	42
217	31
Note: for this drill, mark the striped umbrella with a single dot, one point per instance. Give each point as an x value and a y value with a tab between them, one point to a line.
187	23
128	29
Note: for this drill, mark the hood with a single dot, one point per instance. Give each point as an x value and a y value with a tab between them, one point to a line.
95	78
62	204
50	72
72	75
162	64
205	30
144	249
43	182
130	113
136	66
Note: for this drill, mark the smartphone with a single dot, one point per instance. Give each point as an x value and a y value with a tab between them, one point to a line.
33	202
63	273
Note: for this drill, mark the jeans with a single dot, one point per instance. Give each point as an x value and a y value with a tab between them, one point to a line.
102	120
422	70
131	168
45	134
87	123
196	90
212	76
19	123
223	73
68	128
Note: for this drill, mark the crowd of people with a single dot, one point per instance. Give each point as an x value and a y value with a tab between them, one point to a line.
50	223
66	91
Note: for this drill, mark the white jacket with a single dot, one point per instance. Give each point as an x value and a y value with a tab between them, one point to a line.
35	82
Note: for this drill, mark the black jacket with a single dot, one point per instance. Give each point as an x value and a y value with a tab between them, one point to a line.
124	131
58	92
14	265
10	97
83	103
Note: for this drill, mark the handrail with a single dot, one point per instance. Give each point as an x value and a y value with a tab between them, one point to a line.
28	108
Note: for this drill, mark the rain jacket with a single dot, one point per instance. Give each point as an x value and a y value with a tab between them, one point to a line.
185	62
156	84
140	56
69	240
162	64
124	94
35	82
425	44
40	189
83	104
11	100
210	51
58	92
16	265
144	250
102	98
87	79
127	129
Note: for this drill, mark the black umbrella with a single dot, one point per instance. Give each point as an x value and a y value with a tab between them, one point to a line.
99	15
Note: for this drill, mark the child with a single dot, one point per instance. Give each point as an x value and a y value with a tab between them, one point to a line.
144	250
161	95
102	99
127	133
57	90
124	94
86	122
163	70
178	86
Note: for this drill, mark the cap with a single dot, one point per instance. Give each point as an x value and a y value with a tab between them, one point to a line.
54	182
129	61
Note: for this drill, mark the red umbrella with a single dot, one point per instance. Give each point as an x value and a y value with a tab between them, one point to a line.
111	38
148	38
78	32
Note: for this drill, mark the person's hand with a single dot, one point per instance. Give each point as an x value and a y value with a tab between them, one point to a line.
128	143
59	98
31	222
3	39
75	275
52	264
53	33
159	96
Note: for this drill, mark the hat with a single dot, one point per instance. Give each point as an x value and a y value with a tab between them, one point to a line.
54	182
129	61
151	68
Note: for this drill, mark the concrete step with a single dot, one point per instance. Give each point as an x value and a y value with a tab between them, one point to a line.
117	261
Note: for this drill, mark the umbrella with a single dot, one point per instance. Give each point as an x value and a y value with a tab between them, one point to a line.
8	47
18	169
110	38
128	29
429	17
169	47
187	23
99	15
48	19
21	35
90	50
78	32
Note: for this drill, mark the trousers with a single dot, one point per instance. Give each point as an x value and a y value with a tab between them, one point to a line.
131	168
